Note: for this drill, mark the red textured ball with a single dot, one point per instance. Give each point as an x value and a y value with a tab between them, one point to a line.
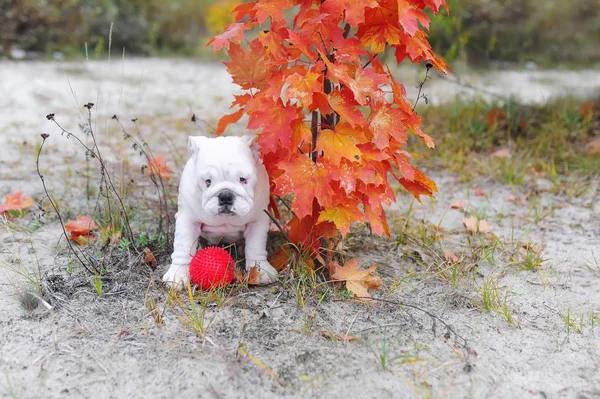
212	267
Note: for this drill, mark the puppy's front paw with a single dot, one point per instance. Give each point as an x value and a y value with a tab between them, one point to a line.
177	277
266	273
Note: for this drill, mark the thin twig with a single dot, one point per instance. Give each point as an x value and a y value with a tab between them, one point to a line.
37	167
279	226
421	84
428	313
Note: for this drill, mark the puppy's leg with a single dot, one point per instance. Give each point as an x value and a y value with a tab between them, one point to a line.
187	232
255	237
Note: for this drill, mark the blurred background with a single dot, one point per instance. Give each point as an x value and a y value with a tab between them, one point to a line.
496	33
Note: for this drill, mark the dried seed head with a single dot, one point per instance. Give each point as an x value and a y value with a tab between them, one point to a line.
50	117
45	135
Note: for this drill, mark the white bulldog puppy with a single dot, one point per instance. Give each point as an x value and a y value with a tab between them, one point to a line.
223	193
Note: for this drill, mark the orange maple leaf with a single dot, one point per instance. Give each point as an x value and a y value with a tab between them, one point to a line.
410	17
354	9
249	68
276	120
418	49
234	31
270	9
307	180
420	185
158	167
376	218
80	230
16	202
385	123
357	281
337	144
380	27
303	87
228	119
341	215
343	102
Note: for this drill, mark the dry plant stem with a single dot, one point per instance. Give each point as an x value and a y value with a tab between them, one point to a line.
428	313
162	192
278	224
156	178
103	171
421	84
62	224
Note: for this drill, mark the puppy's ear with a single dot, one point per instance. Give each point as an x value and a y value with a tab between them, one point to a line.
252	142
194	144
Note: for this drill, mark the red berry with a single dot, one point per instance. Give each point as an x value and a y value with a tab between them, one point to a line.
212	267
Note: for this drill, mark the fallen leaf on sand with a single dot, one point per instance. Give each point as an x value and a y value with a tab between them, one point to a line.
16	202
451	257
593	147
510	198
338	337
357	281
80	230
280	260
149	258
501	153
158	167
250	278
460	205
479	192
484	227
474	226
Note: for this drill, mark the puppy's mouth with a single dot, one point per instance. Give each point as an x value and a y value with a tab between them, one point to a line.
226	211
226	200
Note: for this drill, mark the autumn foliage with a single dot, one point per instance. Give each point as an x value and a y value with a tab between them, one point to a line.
332	118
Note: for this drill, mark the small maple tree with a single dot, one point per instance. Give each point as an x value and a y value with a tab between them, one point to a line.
332	119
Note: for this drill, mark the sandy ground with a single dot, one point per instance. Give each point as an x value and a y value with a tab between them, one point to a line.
111	347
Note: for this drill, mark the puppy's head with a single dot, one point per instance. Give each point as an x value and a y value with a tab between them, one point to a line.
225	173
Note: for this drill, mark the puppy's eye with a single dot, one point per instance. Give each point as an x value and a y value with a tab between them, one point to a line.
207	181
243	180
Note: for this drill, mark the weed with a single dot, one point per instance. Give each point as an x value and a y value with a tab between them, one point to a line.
572	322
493	299
382	355
529	258
193	317
97	282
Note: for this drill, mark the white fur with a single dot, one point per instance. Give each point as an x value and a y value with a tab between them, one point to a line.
223	160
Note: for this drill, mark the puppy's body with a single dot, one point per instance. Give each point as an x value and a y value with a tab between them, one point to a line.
223	192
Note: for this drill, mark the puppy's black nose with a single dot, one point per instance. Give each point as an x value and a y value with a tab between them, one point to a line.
226	198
